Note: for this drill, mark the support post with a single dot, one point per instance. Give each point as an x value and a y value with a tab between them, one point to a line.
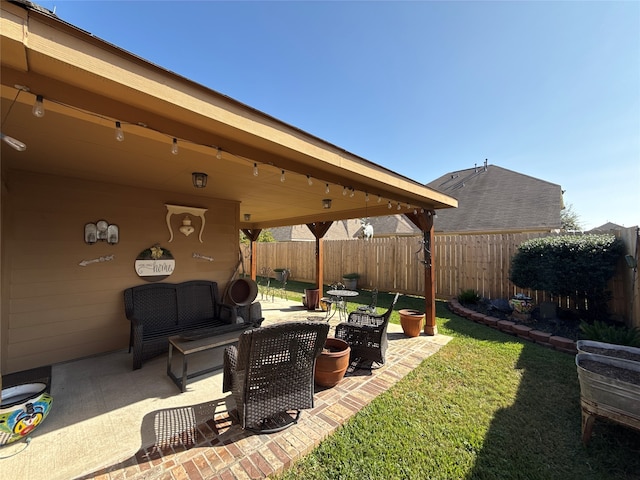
253	235
424	221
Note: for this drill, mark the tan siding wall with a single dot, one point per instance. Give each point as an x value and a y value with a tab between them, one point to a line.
53	309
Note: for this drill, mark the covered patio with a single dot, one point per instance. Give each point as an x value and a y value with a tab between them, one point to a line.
108	422
97	139
116	141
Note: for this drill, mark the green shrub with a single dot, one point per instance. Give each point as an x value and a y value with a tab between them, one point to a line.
604	332
579	266
468	296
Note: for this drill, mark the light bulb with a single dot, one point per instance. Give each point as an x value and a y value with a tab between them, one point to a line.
366	197
326	188
389	205
13	143
398	206
282	176
422	210
174	147
344	191
379	198
415	211
255	169
38	107
119	132
219	154
309	181
353	192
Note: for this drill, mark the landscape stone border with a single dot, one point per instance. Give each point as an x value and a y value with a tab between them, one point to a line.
545	339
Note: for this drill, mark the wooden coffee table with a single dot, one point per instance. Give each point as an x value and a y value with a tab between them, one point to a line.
188	346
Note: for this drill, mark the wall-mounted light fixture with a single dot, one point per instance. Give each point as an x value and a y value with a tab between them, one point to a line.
247	217
199	179
101	231
326	203
631	261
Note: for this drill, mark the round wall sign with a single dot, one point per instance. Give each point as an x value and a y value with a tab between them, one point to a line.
154	264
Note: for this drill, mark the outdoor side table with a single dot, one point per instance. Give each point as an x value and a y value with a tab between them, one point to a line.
187	347
338	298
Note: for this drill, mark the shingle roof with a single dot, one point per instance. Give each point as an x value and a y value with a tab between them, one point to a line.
349	229
607	227
492	198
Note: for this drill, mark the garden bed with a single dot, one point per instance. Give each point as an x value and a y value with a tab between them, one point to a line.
567	328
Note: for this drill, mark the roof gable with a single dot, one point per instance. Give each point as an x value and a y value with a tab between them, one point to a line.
492	198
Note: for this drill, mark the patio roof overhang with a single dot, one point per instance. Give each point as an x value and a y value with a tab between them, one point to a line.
88	84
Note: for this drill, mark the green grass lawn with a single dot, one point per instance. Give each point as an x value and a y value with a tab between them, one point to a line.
486	406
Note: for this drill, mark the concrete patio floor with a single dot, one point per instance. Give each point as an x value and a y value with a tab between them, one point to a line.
109	422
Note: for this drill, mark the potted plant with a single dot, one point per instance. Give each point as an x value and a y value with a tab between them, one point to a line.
350	280
279	272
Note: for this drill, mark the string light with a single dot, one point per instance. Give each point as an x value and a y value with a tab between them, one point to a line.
38	111
119	132
13	142
38	107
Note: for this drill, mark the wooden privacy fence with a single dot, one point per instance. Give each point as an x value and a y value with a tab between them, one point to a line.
478	262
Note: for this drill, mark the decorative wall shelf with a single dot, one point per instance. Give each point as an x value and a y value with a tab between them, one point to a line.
178	209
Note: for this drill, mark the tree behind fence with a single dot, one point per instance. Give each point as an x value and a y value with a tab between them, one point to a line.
478	262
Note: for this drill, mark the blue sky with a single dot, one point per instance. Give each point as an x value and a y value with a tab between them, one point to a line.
548	89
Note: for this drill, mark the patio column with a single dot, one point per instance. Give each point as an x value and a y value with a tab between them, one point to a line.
319	230
253	235
424	221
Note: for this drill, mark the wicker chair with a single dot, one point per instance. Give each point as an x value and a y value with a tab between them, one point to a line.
366	334
270	373
371	308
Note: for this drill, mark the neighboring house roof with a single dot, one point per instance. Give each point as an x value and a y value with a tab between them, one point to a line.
339	230
606	228
495	199
392	225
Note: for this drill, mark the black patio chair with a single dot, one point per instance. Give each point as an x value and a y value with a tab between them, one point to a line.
371	308
279	285
270	373
366	334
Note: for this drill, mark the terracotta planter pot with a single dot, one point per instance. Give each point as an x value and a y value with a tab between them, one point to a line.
311	298
332	363
411	321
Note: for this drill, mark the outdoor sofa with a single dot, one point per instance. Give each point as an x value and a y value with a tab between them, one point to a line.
160	310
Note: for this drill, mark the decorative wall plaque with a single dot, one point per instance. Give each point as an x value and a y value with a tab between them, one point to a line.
154	264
